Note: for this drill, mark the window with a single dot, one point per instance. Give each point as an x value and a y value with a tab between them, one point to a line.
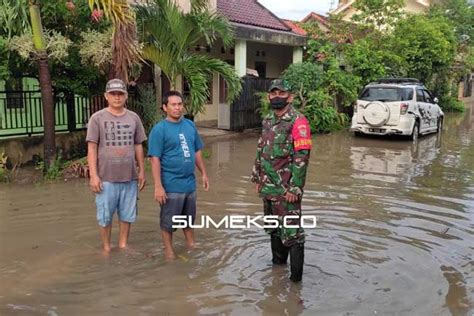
420	96
428	97
386	94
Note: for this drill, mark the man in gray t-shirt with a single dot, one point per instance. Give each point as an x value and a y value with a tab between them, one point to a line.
114	151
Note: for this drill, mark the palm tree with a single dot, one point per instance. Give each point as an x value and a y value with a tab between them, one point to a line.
45	83
125	48
168	35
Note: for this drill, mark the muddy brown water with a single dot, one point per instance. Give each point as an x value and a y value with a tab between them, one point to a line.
395	236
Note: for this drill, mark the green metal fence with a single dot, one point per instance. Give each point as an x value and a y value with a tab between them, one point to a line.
21	112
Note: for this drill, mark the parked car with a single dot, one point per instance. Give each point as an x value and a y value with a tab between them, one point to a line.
401	106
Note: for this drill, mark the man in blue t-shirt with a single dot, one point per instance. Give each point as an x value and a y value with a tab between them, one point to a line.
175	149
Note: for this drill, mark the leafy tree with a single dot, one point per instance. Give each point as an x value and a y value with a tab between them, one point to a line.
4	61
303	79
62	21
313	96
169	34
378	14
327	51
125	49
428	46
460	14
45	83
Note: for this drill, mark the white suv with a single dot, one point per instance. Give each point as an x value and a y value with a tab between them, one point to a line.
401	106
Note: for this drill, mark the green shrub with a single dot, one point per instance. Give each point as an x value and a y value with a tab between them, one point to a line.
146	107
451	104
303	78
322	116
324	119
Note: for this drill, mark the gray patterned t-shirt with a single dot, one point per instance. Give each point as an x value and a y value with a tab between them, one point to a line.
116	137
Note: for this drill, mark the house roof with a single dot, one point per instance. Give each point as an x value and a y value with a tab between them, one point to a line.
315	16
250	12
294	27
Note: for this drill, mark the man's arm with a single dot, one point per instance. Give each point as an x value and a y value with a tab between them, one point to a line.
298	168
95	183
140	158
202	169
257	166
160	194
302	144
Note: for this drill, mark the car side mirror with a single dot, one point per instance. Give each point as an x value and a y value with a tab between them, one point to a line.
435	100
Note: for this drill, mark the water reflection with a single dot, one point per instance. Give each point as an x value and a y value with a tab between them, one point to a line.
393	160
395	236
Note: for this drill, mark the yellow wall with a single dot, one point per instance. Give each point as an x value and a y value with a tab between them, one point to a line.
348	14
211	112
186	4
415	7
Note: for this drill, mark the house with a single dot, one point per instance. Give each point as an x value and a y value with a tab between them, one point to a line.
264	45
346	9
321	20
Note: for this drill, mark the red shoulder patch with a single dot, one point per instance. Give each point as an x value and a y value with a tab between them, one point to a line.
301	134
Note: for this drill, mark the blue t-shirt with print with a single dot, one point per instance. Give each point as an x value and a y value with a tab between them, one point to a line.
175	143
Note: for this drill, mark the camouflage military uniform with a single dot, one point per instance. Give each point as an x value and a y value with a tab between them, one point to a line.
280	166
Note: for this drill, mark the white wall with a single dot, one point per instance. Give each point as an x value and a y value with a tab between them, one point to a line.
277	57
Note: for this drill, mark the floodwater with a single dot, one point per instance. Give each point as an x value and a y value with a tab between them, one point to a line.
395	236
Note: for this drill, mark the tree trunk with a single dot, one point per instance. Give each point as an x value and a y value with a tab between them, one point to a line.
48	111
45	84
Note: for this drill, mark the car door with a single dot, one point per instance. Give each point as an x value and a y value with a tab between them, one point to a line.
431	109
422	109
435	110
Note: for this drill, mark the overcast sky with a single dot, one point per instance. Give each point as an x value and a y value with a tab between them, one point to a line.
297	9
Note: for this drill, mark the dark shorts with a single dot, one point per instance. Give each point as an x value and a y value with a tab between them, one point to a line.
177	204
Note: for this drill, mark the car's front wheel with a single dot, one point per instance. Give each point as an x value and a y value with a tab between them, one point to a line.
416	132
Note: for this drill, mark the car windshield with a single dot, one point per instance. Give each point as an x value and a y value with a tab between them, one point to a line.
386	94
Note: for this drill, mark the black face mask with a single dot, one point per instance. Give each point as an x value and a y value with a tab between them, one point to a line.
278	103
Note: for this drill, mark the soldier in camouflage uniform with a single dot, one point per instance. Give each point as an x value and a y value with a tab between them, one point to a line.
279	173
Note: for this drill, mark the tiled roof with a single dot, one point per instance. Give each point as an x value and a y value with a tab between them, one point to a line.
315	16
294	27
250	12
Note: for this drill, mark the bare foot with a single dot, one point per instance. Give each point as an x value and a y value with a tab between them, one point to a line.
169	254
190	245
106	250
123	246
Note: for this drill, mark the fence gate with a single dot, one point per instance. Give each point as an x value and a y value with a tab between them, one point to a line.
245	111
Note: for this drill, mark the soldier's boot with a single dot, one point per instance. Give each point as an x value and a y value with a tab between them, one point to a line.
296	262
279	251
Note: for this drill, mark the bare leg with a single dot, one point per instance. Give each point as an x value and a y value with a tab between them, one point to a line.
124	231
189	235
105	233
167	243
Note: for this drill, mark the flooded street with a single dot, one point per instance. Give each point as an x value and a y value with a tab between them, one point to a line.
395	236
